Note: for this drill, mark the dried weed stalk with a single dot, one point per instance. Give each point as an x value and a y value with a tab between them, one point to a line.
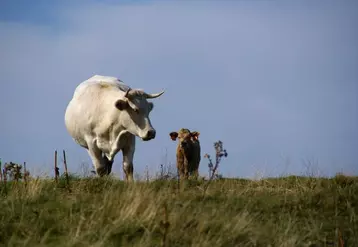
164	226
147	173
25	174
5	180
14	171
219	153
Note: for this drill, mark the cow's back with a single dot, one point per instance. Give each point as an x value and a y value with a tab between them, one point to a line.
92	107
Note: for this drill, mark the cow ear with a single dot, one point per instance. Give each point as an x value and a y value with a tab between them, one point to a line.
195	135
173	135
121	104
150	106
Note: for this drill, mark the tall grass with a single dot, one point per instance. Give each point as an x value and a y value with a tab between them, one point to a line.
289	211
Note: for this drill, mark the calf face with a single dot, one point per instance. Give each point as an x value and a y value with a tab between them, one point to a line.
188	152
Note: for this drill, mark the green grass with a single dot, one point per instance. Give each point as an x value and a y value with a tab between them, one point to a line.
289	211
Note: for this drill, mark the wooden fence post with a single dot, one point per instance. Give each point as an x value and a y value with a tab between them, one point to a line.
56	168
66	172
0	171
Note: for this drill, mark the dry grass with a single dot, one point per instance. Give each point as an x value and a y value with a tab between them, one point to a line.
290	211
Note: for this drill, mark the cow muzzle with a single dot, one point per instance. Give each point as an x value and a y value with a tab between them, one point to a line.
150	135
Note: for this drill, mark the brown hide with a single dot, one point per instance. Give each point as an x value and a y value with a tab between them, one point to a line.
188	152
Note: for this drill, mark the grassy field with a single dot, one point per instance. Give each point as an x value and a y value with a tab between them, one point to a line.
288	211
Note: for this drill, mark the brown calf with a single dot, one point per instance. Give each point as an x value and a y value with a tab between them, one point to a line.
188	152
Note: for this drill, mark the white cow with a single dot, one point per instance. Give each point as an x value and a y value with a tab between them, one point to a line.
104	116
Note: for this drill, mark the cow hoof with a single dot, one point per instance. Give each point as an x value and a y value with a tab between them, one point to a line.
102	171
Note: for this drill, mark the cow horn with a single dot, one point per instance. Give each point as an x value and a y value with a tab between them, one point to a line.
154	95
126	94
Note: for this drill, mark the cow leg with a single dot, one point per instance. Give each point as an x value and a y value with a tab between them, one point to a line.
128	153
113	150
108	163
116	145
97	159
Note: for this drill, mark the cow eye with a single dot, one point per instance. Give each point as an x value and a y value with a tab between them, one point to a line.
136	110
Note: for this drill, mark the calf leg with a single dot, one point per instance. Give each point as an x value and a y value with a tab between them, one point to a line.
186	168
196	173
180	167
180	164
128	153
194	169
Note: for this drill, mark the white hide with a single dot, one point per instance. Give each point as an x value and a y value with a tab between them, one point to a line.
95	123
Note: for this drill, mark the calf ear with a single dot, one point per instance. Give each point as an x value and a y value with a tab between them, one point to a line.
121	104
173	135
195	135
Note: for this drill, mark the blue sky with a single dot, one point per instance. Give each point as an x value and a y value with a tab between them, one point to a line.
276	81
